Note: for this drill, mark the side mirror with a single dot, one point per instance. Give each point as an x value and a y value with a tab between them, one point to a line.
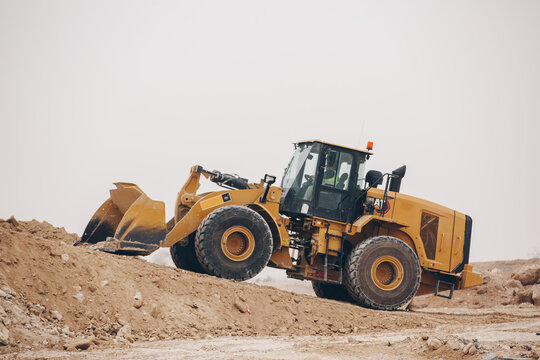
269	179
374	178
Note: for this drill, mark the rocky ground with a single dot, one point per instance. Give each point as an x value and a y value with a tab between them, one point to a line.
60	301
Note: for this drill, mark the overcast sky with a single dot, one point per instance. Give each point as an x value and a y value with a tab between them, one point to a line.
100	91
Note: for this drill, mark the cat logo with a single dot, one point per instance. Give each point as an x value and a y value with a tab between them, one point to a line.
381	206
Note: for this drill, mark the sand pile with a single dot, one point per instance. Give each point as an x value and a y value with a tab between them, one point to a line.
502	285
55	295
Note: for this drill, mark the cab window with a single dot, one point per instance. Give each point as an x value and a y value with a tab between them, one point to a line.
337	169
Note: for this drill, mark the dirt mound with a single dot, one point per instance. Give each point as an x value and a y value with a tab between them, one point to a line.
504	283
529	275
56	295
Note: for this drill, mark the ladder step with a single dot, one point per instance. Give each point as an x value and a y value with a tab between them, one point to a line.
451	284
335	266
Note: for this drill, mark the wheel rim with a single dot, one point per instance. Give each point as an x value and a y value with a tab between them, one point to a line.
237	243
387	273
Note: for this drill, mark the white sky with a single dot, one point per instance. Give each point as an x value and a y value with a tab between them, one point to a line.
101	91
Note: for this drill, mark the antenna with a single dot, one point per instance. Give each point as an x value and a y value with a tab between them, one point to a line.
361	134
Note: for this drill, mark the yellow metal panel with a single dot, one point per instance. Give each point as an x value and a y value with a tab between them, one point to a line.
281	259
469	277
335	228
123	197
408	210
458	239
212	202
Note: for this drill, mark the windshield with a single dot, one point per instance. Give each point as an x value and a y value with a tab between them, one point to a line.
299	178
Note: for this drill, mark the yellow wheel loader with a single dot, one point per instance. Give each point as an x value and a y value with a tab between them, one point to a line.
329	222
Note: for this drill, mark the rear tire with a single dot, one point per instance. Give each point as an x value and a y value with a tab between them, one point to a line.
184	257
382	273
233	242
331	291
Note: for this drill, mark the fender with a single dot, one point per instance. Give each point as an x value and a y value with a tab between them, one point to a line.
279	232
396	229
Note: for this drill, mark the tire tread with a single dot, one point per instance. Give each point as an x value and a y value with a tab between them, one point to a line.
203	236
351	273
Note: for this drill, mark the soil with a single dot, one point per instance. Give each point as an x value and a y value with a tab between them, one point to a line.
60	301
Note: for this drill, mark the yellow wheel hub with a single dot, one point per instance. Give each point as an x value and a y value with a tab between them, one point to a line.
387	272
237	243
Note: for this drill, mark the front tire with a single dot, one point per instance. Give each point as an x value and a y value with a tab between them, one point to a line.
382	273
184	257
233	242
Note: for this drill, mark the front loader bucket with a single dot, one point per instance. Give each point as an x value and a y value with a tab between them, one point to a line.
129	222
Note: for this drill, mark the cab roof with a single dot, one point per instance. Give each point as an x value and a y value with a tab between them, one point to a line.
331	144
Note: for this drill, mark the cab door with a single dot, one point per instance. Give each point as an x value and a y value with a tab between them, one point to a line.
336	179
436	231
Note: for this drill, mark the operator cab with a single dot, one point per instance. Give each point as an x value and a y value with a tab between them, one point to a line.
323	180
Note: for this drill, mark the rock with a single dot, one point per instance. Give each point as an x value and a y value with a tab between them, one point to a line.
425	337
155	311
482	290
125	333
3	294
66	330
470	349
138	300
536	294
77	288
490	356
79	297
79	343
454	343
513	283
65	257
434	344
56	315
528	276
3	316
8	290
104	282
13	221
524	296
241	306
194	305
4	334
